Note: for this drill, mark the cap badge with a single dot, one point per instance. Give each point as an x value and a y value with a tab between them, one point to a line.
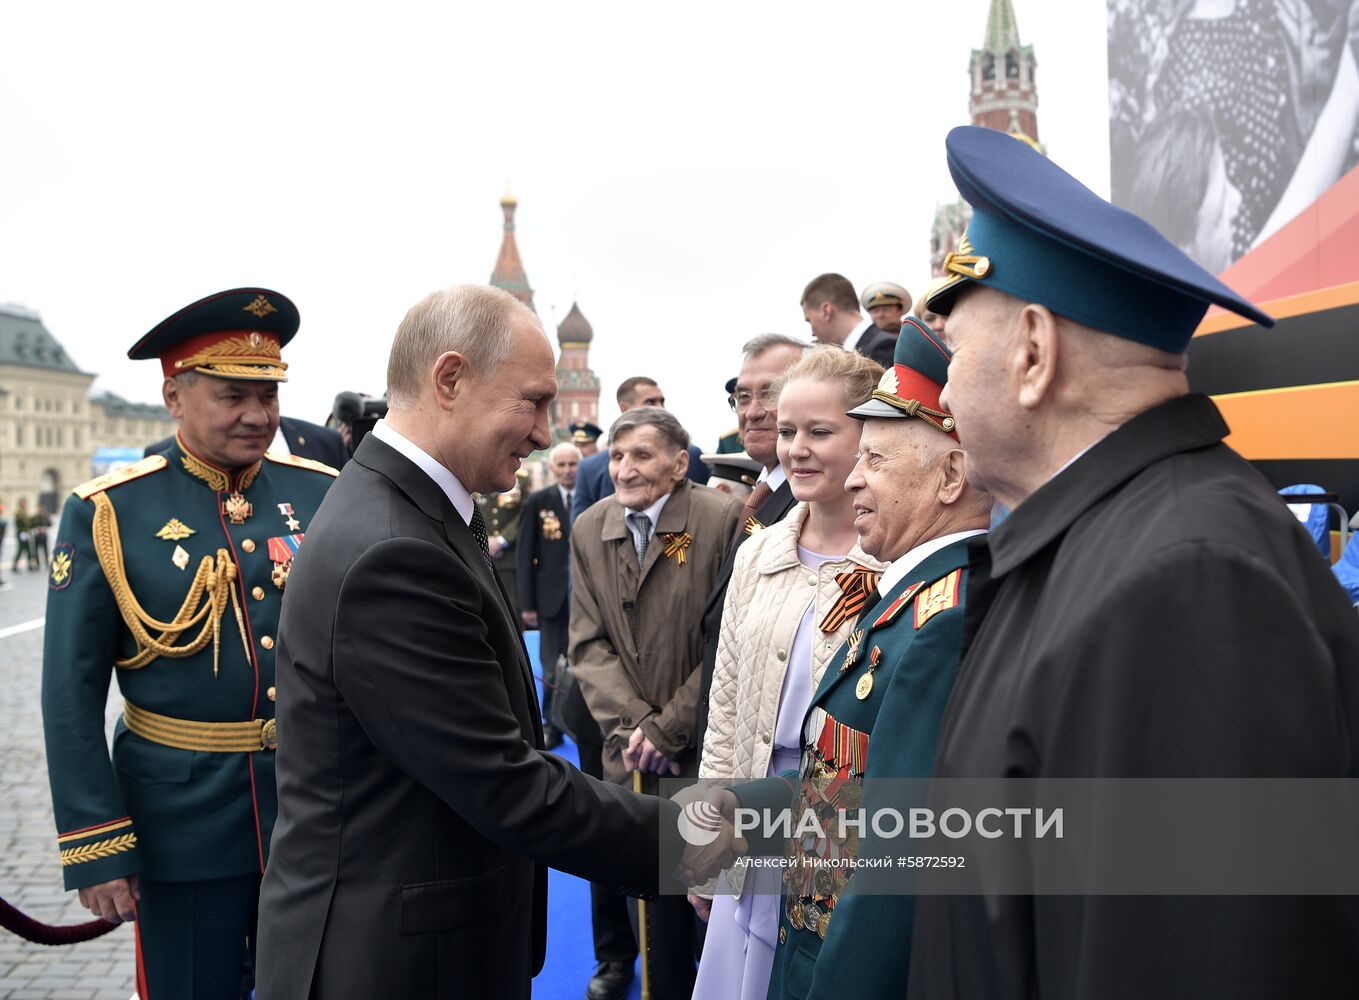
261	307
965	263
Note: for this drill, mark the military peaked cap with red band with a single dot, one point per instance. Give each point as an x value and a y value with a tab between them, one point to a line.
236	334
912	386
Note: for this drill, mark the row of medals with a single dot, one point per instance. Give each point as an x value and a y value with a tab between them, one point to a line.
813	890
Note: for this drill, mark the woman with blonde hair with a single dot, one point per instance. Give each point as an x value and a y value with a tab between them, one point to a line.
796	590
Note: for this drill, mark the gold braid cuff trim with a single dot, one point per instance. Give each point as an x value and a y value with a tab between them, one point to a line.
205	737
209	593
99	849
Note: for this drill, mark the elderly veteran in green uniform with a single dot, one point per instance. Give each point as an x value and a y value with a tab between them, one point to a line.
170	574
876	713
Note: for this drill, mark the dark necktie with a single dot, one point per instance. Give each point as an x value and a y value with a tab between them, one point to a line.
478	527
758	496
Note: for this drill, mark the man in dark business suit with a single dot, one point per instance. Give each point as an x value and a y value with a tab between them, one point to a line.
294	437
764	358
543	562
416	809
831	309
593	482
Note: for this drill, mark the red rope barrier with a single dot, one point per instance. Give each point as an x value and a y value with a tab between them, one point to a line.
29	929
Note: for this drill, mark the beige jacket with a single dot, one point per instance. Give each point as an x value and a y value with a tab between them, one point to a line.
635	643
766	599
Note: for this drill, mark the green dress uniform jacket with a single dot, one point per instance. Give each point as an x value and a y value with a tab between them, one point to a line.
875	716
170	539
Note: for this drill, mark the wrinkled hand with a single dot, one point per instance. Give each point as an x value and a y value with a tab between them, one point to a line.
530	618
112	900
641	755
699	863
703	907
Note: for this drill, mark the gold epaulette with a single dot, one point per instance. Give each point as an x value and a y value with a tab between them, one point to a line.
148	465
938	596
302	463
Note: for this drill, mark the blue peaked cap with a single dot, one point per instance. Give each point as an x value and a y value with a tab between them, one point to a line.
1040	235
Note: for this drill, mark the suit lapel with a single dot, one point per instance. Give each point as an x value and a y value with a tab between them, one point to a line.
434	503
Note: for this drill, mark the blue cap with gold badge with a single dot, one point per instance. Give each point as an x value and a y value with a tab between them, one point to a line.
1040	235
236	334
912	386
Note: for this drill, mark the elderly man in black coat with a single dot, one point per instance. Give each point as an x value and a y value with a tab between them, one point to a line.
1148	610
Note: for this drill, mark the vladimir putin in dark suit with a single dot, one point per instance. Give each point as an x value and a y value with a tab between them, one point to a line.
416	811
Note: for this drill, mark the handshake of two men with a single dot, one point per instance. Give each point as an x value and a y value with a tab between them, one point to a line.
706	825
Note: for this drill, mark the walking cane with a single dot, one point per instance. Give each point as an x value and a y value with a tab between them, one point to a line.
643	931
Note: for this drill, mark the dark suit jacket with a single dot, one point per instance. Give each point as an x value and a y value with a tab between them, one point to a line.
305	440
878	344
416	811
776	508
544	561
593	483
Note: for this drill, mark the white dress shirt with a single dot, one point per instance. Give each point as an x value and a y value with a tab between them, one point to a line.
653	512
852	341
775	477
896	572
436	470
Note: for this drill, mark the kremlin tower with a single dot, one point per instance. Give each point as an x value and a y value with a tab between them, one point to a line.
509	269
1003	96
578	392
578	398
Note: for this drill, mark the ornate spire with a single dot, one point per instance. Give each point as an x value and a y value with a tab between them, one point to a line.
509	269
575	328
1002	30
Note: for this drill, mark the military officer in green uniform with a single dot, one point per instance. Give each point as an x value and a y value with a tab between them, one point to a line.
877	711
169	574
501	513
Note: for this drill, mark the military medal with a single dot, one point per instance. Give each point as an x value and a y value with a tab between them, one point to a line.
286	509
854	642
795	915
822	926
822	883
552	525
238	508
865	686
811	916
281	551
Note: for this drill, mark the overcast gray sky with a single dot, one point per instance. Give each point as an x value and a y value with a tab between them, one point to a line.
683	170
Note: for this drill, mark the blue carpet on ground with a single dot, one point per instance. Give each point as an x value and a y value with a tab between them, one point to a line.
570	939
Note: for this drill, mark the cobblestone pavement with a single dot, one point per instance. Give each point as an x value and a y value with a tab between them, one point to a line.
30	876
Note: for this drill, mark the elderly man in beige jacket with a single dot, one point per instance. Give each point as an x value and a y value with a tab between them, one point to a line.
642	568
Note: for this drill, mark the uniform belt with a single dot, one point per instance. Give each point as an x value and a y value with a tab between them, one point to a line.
208	737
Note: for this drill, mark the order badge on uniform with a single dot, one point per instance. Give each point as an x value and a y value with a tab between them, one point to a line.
282	549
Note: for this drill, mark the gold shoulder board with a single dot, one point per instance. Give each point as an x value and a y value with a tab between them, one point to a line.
302	463
148	465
